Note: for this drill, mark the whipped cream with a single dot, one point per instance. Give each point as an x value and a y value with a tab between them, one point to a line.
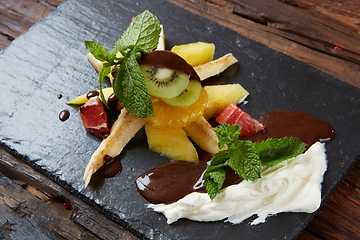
290	186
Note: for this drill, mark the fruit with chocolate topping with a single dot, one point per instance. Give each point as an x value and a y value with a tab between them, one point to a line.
122	131
83	98
164	82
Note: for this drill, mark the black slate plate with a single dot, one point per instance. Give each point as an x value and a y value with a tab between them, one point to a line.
50	59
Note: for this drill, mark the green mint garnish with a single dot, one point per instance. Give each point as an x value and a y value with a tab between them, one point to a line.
129	85
129	80
245	157
143	32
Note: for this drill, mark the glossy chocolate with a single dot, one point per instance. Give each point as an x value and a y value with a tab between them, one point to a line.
168	60
92	94
111	167
64	115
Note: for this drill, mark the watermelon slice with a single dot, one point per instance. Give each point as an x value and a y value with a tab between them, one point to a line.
233	115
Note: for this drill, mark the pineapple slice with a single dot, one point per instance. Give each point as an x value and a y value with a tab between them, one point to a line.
220	96
195	53
202	133
123	130
215	67
172	143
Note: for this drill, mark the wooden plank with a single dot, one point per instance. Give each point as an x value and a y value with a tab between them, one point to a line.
29	196
251	24
5	41
24	215
13	24
338	218
32	10
16	17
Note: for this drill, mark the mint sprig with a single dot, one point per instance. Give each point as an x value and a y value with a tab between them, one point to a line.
129	85
245	157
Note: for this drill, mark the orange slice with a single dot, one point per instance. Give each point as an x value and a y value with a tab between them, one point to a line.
166	116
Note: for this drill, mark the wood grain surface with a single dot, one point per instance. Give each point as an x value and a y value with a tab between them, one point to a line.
322	33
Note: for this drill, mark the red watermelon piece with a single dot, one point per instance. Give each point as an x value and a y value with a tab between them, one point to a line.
94	117
233	115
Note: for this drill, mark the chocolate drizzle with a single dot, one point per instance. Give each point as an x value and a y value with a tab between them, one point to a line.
111	167
64	115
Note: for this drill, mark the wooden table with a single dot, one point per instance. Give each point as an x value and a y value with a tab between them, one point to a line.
322	33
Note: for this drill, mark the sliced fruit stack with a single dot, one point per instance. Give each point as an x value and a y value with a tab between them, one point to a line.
182	106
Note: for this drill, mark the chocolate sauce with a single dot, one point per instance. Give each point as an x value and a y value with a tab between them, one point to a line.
113	101
92	94
170	182
111	167
168	60
64	115
306	127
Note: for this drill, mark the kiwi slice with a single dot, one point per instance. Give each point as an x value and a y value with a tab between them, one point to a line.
163	82
187	97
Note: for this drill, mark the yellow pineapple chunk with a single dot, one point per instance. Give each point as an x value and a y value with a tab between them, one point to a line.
195	53
220	96
172	143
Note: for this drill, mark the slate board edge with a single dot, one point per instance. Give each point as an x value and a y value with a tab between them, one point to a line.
63	183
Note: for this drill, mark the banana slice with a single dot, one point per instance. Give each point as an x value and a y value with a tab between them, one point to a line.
123	130
202	133
215	67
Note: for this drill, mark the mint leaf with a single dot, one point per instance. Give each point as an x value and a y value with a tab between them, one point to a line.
97	50
130	88
214	181
244	160
143	32
227	134
245	157
273	151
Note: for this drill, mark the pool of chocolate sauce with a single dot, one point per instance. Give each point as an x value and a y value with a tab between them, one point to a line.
174	180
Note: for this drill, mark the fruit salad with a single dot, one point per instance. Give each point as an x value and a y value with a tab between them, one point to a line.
164	92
